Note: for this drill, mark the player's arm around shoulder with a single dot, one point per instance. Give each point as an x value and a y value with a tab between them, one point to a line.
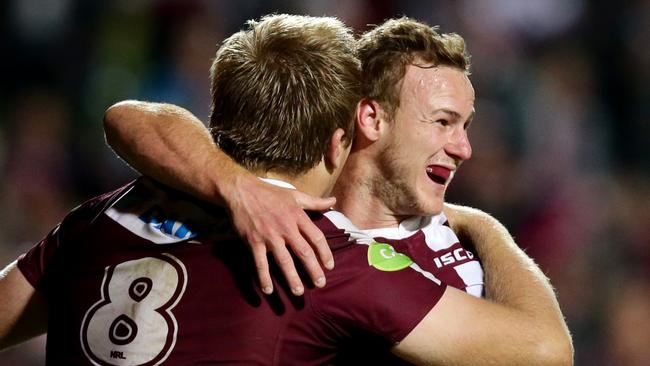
22	309
171	145
464	330
519	322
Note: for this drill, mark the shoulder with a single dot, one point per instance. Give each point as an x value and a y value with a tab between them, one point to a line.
34	263
373	288
162	215
85	214
336	234
377	289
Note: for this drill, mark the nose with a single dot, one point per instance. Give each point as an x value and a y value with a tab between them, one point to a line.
458	146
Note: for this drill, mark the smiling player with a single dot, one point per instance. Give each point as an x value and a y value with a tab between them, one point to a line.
411	138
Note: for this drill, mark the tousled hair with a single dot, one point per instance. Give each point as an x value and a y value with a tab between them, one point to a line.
280	88
386	50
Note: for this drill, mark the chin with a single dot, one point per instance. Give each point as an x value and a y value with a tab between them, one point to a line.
434	210
431	206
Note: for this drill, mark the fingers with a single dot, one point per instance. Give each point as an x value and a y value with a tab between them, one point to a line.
307	202
305	253
285	262
310	232
262	267
315	237
274	218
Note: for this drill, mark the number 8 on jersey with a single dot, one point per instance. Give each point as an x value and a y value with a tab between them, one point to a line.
133	324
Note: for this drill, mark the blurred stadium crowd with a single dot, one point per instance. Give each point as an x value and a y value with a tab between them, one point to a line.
561	137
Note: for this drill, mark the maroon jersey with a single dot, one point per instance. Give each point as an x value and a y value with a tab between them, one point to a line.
430	242
144	275
437	254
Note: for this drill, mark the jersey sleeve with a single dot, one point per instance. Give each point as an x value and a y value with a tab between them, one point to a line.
386	303
35	263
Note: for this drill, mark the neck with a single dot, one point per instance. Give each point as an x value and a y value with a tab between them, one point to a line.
311	182
356	199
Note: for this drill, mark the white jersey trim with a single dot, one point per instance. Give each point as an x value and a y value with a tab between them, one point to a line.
150	213
362	237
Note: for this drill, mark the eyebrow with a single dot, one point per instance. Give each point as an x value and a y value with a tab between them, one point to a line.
456	115
470	118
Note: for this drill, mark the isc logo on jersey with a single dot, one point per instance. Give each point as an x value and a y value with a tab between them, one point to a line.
457	255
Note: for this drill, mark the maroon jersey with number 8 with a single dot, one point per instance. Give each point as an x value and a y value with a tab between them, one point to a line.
144	275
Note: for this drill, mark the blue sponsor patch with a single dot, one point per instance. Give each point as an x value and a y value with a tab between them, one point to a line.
157	219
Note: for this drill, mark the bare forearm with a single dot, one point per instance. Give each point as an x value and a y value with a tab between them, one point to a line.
513	280
511	277
22	310
171	145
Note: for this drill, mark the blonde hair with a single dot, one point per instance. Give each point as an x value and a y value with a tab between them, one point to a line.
281	87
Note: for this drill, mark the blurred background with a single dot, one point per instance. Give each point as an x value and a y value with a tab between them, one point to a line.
561	136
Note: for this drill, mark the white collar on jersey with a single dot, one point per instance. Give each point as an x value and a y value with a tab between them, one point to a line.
277	182
405	228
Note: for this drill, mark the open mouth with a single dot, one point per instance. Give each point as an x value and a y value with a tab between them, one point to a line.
438	174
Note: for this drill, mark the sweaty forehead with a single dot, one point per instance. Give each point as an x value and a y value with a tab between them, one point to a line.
438	87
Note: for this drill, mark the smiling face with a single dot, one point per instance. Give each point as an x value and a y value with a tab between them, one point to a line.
426	141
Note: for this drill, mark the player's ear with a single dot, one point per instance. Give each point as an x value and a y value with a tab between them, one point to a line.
369	118
338	149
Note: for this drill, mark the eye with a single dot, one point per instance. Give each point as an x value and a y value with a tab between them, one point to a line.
443	122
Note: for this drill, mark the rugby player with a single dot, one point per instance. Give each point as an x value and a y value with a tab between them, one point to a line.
411	138
146	275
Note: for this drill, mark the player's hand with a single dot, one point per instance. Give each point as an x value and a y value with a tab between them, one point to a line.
271	218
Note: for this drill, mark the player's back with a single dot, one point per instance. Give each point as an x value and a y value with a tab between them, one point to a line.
144	275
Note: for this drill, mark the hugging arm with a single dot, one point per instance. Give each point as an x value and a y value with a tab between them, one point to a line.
519	322
169	144
22	310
